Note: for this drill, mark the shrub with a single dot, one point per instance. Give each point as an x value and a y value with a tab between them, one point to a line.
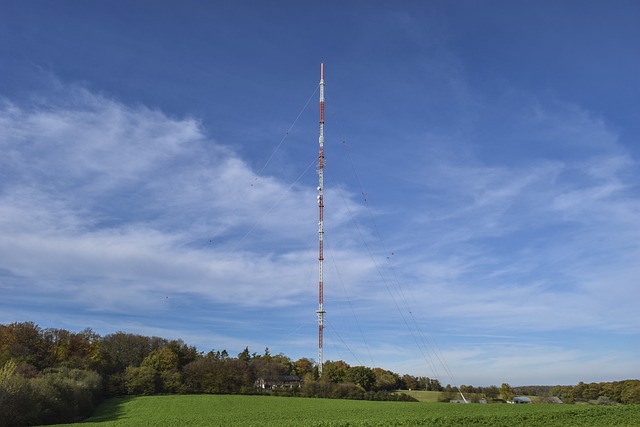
16	398
57	396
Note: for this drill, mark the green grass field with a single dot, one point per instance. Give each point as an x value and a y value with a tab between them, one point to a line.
225	410
422	395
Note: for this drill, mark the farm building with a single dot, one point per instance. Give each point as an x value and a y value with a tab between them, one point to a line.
280	381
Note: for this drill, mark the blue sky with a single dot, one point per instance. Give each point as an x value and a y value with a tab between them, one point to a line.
482	191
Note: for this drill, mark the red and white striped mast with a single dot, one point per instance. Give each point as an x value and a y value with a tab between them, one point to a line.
321	311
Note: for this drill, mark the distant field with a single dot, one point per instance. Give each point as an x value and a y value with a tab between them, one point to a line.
224	410
423	396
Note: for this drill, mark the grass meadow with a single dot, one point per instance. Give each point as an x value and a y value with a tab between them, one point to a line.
235	410
423	396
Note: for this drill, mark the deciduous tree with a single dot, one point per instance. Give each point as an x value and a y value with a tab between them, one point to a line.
362	376
386	380
335	372
506	392
141	380
303	367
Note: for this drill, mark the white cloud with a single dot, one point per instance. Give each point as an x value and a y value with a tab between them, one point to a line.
525	245
113	198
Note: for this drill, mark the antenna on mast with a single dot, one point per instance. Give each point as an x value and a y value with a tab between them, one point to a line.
321	311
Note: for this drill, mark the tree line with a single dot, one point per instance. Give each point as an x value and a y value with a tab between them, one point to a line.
627	391
56	376
602	393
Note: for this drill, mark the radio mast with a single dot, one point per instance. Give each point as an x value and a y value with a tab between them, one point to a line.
321	311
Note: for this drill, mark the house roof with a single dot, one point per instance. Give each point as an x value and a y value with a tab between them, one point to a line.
280	378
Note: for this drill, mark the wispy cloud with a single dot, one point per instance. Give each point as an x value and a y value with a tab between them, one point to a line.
110	203
530	245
